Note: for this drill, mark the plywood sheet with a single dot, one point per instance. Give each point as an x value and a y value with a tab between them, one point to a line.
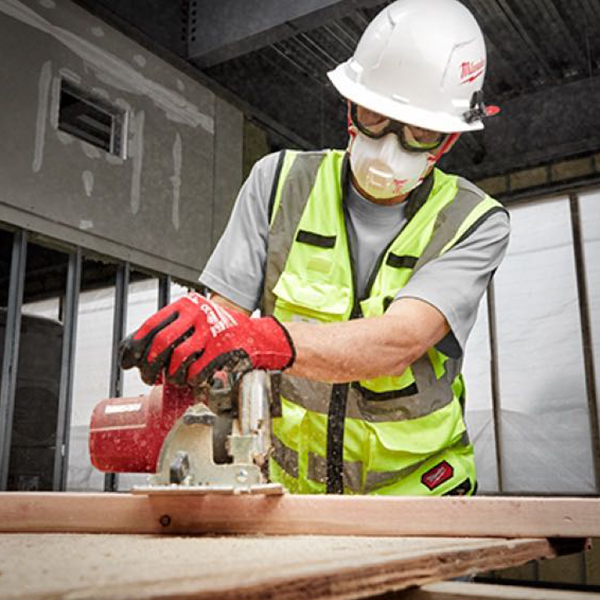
252	567
454	590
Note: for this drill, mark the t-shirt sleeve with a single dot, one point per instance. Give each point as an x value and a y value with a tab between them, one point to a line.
236	268
455	282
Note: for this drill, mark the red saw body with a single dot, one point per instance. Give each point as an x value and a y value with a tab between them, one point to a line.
127	434
172	433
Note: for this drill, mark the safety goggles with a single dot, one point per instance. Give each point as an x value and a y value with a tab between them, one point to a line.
412	138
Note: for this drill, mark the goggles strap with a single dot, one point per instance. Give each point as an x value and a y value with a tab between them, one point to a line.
350	123
445	145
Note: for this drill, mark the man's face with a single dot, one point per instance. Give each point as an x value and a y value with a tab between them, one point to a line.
389	158
412	138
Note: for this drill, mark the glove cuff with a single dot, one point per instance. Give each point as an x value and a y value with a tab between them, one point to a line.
275	351
290	341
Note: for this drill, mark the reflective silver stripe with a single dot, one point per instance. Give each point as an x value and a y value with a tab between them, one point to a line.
314	396
449	220
401	409
317	471
379	479
296	190
285	457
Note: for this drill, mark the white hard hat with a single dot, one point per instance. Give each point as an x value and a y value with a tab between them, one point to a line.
421	62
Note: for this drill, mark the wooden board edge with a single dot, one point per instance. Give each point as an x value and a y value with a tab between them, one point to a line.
295	515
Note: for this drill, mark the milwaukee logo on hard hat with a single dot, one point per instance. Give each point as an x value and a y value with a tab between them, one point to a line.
470	71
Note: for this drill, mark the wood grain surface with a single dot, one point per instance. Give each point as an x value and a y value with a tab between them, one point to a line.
297	515
99	566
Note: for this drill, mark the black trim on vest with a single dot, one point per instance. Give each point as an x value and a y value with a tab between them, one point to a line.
336	415
418	197
462	489
401	262
480	222
275	184
387	302
335	438
315	239
410	390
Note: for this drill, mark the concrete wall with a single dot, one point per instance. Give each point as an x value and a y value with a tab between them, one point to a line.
163	206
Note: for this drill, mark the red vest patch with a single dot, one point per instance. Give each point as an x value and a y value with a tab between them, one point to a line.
437	475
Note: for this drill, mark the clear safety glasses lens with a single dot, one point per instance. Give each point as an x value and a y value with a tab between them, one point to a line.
413	139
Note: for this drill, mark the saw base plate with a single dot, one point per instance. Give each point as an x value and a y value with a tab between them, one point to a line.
267	489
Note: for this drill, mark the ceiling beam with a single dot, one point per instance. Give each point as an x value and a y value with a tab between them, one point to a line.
220	31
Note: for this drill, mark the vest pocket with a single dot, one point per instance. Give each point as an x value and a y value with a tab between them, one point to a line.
415	439
298	299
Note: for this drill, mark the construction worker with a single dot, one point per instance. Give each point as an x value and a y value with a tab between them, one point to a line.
368	266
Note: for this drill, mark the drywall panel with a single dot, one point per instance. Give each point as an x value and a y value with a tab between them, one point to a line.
229	126
154	205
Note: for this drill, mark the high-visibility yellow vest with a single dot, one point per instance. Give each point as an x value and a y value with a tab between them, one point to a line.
389	435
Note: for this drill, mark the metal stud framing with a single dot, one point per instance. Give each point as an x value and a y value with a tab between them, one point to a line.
119	326
495	381
164	291
10	360
586	335
65	396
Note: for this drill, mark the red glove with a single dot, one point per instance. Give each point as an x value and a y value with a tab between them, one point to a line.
193	338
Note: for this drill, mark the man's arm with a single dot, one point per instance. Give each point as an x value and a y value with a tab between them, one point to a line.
363	348
228	304
367	348
439	303
193	337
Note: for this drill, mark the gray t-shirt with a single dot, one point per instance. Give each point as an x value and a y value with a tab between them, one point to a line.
454	283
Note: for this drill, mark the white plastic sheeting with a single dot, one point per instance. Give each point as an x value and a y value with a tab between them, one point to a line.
545	435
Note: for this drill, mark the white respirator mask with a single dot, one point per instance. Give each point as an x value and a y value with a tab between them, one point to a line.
383	168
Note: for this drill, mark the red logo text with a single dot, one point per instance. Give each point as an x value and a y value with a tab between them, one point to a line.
469	70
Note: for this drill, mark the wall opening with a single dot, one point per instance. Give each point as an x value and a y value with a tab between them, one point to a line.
92	119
